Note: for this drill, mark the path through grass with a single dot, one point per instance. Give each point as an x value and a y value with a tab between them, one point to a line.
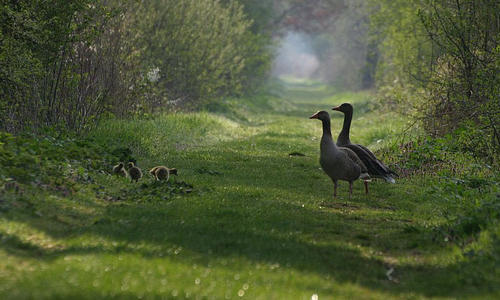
259	224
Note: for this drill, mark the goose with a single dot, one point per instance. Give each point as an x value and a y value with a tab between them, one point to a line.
134	172
375	167
162	172
339	163
120	170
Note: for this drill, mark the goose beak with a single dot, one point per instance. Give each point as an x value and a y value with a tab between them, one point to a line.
337	108
315	116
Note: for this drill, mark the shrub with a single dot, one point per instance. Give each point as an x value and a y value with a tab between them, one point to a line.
201	48
61	63
442	65
30	159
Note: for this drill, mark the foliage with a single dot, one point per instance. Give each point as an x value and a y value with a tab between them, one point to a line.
479	207
312	16
404	51
258	222
441	65
486	213
465	74
41	160
202	49
65	64
261	12
42	37
65	166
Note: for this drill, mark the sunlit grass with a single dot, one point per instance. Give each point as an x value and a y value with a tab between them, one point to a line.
258	225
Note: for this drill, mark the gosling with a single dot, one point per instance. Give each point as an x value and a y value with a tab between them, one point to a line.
12	186
120	170
134	172
162	172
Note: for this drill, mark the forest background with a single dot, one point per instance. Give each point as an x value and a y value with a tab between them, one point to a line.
65	65
221	90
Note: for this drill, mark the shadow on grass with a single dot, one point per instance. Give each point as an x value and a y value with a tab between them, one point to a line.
249	214
259	229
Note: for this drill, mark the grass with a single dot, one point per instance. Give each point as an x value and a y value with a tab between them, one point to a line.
259	224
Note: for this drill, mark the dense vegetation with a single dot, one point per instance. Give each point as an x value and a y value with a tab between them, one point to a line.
435	61
441	65
243	218
85	84
64	64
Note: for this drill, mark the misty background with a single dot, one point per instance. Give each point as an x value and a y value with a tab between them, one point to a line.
337	52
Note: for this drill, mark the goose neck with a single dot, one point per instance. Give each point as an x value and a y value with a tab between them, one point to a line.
344	134
327	131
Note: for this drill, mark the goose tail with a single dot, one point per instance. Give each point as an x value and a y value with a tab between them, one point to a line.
365	177
389	179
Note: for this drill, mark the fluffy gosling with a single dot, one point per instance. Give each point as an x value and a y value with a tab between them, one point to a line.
120	170
162	172
134	172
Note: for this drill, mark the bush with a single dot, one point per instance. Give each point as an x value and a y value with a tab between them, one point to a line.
63	64
200	48
442	65
39	160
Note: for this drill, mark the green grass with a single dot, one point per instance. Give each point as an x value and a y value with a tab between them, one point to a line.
259	224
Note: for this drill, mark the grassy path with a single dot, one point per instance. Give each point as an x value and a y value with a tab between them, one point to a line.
259	225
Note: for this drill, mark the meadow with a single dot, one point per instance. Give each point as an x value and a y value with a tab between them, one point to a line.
244	219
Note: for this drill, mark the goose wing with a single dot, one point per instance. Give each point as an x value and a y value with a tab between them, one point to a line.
375	167
355	159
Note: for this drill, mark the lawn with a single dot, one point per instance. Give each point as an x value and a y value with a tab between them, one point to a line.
243	219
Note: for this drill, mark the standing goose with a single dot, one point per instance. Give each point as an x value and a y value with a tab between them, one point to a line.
339	163
375	167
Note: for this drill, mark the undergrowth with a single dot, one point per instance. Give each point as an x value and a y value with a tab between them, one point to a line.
244	218
65	165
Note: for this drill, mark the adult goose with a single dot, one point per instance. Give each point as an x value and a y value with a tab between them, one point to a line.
339	163
375	167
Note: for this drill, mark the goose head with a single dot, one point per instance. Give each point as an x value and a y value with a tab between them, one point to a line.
321	115
344	107
130	165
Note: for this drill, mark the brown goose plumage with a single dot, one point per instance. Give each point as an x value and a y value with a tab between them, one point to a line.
375	167
120	170
134	172
339	163
162	172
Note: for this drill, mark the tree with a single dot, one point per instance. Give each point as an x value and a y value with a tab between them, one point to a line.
202	49
444	62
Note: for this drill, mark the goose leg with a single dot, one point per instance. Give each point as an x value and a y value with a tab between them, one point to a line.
334	189
350	189
366	187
